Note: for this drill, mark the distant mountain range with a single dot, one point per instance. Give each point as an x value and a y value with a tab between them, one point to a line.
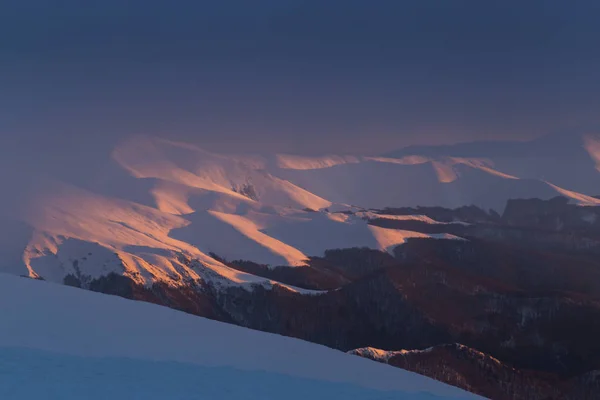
490	244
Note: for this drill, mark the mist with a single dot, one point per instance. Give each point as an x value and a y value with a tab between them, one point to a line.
292	76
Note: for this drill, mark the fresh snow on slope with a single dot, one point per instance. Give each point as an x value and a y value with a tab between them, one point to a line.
62	377
447	182
87	235
191	166
287	238
67	339
370	215
568	160
237	237
291	161
313	233
384	355
315	182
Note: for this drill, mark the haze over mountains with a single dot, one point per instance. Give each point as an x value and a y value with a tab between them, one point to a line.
154	198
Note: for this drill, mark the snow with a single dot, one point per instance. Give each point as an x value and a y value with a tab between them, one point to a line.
61	342
61	377
567	160
291	161
191	166
578	198
237	237
447	182
369	215
317	182
313	233
385	355
286	238
373	353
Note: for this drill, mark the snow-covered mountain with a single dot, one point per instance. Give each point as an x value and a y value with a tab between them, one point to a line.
160	202
453	176
252	239
156	206
568	160
60	342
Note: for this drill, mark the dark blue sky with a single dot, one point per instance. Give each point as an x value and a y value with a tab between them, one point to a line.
298	76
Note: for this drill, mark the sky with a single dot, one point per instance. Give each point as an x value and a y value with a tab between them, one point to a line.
314	76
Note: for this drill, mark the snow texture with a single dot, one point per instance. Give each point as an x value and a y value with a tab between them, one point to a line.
65	343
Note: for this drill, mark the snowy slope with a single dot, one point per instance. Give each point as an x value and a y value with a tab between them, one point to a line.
193	167
80	233
423	181
68	341
317	182
568	160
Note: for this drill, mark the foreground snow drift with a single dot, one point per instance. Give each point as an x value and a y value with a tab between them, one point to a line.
64	377
60	342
